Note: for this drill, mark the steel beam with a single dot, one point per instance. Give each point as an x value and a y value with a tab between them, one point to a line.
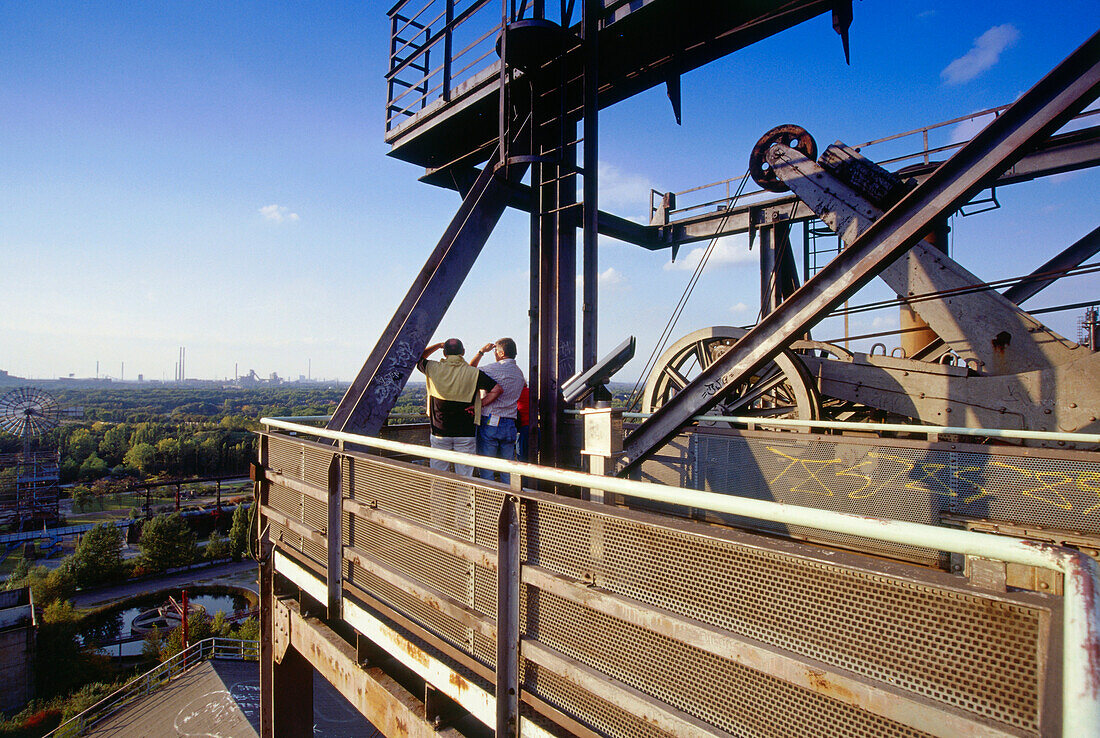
1065	152
369	399
1073	256
508	625
591	214
292	696
1047	106
390	707
334	543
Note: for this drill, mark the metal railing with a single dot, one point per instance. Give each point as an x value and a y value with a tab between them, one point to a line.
152	680
1081	602
895	151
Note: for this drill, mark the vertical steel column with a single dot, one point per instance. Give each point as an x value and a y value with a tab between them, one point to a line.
769	279
507	686
590	300
555	192
777	276
292	696
335	536
448	48
267	598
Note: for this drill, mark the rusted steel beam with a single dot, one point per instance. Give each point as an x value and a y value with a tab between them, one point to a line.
388	705
368	401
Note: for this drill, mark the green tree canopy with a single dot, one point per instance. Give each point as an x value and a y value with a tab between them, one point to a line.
167	541
93	467
98	556
240	532
82	444
116	440
141	457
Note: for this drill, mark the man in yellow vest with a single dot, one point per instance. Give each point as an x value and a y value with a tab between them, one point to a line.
454	401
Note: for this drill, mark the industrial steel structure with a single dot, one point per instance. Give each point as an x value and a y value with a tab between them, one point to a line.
29	479
750	556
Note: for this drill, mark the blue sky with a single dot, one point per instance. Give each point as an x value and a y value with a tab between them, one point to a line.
213	175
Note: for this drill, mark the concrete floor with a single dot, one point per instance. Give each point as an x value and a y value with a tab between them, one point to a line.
221	699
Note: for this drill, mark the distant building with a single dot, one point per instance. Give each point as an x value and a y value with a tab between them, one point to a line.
17	649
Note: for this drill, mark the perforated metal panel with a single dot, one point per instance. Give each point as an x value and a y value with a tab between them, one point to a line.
938	641
974	652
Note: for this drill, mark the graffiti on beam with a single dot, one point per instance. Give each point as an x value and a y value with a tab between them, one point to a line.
1071	488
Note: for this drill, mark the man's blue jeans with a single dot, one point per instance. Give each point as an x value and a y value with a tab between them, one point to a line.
496	440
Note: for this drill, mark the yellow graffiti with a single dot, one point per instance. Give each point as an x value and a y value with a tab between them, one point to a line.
851	472
1081	479
803	463
1059	502
820	476
982	491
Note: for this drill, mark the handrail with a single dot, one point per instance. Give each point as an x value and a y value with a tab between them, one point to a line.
1081	599
922	153
748	420
158	676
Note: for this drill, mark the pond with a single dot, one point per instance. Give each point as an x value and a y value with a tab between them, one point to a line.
115	623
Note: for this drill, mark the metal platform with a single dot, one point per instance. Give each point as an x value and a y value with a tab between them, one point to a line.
631	623
444	74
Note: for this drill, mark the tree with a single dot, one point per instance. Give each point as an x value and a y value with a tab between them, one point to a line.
167	541
153	646
217	547
116	441
92	468
141	457
98	556
46	586
82	444
240	532
81	495
146	433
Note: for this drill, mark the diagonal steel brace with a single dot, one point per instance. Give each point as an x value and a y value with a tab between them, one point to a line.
372	395
1047	106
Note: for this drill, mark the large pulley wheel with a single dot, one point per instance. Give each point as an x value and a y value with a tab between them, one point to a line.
788	134
782	389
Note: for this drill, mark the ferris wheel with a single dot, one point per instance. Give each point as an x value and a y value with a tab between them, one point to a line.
28	412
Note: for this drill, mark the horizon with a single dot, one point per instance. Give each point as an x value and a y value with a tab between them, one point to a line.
214	177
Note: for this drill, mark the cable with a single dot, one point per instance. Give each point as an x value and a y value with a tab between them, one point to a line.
635	396
970	289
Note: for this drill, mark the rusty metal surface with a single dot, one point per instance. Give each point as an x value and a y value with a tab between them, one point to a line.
390	707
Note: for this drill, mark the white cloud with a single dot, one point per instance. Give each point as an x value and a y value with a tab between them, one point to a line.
985	53
885	322
278	214
621	190
610	276
739	308
728	251
607	278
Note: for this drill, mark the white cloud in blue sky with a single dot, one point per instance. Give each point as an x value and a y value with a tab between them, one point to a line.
621	190
611	276
983	55
278	214
728	251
